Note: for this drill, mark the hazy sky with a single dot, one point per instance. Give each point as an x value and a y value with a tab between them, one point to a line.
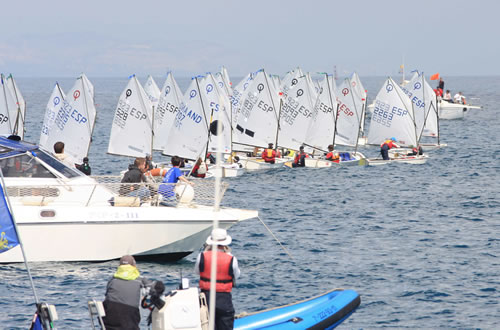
108	38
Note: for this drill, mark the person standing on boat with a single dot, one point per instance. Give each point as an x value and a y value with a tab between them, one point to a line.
332	156
441	84
269	154
300	158
135	174
123	296
227	272
386	146
171	178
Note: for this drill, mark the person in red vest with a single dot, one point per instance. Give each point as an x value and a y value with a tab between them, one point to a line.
300	158
333	156
386	146
227	272
269	154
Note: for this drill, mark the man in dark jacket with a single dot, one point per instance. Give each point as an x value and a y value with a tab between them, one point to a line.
123	296
135	174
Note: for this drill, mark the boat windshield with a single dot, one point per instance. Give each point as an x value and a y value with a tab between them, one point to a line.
57	165
24	166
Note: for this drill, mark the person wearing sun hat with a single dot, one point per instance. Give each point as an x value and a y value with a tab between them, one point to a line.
123	296
227	272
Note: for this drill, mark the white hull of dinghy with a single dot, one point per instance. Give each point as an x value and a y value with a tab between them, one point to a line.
256	164
322	163
418	160
227	171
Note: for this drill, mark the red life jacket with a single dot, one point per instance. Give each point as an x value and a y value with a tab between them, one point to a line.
268	155
224	281
389	143
331	156
298	156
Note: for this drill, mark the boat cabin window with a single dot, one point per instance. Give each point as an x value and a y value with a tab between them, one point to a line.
58	165
22	166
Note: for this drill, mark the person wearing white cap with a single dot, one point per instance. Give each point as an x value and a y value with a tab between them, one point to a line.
227	272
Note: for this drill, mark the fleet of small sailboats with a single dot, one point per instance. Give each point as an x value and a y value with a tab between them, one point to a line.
210	117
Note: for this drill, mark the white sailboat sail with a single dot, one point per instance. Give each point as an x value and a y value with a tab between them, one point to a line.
290	80
424	104
350	115
74	122
20	108
322	125
165	112
8	108
152	91
217	103
392	116
431	127
360	99
236	97
51	110
275	80
188	135
257	123
223	86
88	83
132	131
227	82
296	113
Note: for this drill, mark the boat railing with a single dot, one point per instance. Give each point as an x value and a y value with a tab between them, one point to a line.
109	191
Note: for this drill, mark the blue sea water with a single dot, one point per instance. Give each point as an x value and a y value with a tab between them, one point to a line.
420	243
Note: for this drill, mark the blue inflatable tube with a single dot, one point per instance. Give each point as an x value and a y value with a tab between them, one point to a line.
325	311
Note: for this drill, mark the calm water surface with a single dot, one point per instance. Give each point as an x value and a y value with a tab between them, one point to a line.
420	243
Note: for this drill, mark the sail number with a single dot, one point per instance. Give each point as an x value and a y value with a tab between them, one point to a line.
66	111
124	111
383	114
291	110
416	100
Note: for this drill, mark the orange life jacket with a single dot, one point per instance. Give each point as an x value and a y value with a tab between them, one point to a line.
268	154
224	281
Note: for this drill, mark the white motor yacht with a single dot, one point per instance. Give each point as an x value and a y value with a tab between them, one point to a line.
63	215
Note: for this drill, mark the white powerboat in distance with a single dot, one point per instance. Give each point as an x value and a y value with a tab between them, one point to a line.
63	215
449	110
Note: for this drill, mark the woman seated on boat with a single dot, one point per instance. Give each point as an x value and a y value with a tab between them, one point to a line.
200	169
135	174
332	156
300	158
173	176
386	146
447	96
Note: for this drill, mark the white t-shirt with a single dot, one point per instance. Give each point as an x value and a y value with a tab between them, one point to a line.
457	98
